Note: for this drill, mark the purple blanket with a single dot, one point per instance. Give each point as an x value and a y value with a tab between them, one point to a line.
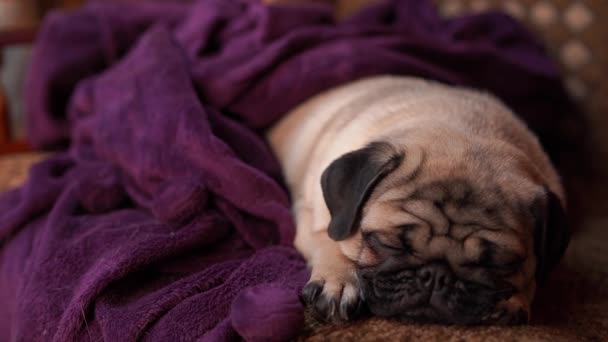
163	217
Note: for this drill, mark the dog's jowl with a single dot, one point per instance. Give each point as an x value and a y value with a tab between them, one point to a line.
420	201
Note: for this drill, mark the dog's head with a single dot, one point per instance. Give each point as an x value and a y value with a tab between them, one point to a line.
450	234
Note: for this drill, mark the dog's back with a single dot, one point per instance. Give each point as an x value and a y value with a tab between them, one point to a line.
349	117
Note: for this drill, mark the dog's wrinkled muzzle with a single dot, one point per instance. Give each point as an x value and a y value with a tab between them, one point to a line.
432	293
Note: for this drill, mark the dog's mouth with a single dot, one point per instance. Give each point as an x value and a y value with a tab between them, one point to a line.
432	294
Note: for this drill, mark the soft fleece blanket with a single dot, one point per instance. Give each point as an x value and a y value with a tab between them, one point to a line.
163	216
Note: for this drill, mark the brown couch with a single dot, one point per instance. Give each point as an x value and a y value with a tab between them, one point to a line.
575	305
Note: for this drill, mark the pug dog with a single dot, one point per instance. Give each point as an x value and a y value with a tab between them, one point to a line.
419	201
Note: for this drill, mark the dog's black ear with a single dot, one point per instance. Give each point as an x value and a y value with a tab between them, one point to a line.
551	234
349	180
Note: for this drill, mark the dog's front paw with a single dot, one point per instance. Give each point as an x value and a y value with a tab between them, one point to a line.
333	297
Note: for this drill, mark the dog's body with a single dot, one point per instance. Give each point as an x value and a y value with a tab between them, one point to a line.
418	181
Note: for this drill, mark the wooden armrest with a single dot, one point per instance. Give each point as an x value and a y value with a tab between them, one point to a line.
4	118
17	36
15	147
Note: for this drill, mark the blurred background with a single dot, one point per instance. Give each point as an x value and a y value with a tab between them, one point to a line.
19	20
575	33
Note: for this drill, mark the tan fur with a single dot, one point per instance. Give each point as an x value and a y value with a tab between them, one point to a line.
445	133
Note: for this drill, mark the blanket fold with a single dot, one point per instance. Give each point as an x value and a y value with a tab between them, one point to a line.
163	215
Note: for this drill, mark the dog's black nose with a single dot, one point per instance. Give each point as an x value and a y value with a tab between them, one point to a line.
436	277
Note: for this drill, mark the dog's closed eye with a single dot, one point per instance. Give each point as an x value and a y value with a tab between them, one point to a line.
384	242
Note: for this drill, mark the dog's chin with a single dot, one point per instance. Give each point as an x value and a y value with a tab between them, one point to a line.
429	294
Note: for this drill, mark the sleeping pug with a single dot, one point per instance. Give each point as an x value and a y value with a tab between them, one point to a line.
421	201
